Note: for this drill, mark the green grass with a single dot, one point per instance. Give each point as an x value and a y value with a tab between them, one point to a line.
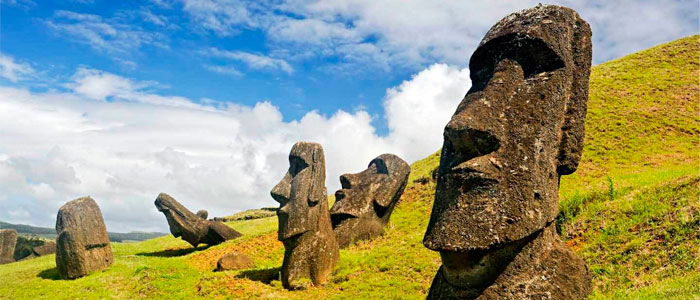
631	211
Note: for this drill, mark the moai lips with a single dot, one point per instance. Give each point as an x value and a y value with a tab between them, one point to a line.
82	244
311	250
518	129
193	228
364	205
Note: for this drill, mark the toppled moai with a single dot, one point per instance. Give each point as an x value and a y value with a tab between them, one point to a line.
311	250
519	128
8	240
364	204
82	244
193	228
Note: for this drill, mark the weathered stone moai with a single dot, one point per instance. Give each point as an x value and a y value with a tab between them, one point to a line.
311	250
519	128
193	228
8	240
364	204
82	244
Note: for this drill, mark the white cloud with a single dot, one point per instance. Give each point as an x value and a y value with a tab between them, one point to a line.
110	35
228	70
12	70
221	157
253	61
416	33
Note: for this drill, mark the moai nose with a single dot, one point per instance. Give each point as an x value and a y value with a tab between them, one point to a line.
469	141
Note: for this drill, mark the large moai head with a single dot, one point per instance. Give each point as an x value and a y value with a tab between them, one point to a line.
364	204
302	191
82	244
193	228
518	129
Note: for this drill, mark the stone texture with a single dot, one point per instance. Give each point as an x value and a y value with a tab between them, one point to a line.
47	248
8	240
519	128
234	261
191	227
82	245
311	250
364	204
202	213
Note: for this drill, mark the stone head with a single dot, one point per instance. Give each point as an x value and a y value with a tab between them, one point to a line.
364	204
302	193
518	129
180	219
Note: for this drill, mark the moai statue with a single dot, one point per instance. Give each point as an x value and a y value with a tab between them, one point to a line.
82	244
8	241
519	128
193	228
311	250
364	204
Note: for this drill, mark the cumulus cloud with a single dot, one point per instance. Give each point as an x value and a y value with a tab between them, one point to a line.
417	32
12	70
114	139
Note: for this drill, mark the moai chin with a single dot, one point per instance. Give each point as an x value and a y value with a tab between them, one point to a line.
519	128
364	205
311	250
193	228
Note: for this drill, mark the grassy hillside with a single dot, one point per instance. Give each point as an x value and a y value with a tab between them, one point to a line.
631	211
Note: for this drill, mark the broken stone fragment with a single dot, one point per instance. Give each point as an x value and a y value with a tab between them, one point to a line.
82	244
191	227
234	261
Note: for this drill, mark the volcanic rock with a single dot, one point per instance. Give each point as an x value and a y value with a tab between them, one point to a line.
8	240
191	227
82	245
364	205
519	128
234	261
311	250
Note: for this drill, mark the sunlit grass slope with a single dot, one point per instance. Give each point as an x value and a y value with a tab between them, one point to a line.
631	211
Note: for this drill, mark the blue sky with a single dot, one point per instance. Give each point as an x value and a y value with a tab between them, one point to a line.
203	99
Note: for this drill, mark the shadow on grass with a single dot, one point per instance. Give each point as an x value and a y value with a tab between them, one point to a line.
51	274
173	252
263	275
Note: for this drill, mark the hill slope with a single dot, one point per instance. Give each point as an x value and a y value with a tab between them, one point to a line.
631	212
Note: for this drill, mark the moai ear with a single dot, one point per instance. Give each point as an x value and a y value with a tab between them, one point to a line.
317	188
573	130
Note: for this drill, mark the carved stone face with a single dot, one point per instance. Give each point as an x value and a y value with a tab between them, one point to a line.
364	204
193	228
301	190
518	129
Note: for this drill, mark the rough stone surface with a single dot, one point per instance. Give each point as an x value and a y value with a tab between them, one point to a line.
8	240
47	248
364	204
311	250
234	261
192	227
519	128
82	245
202	213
